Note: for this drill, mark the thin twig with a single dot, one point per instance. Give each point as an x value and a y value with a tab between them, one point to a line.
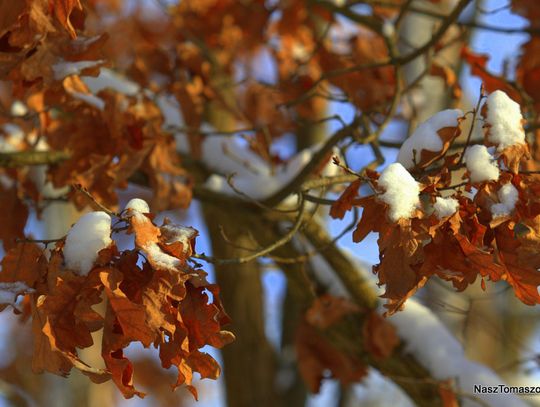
82	189
285	239
473	122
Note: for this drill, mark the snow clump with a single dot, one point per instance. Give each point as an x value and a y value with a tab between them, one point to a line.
90	234
505	120
508	195
138	205
425	136
445	207
402	191
480	164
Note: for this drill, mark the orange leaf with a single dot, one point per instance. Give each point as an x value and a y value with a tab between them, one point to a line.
380	337
26	262
344	202
63	9
131	317
327	310
491	82
448	396
316	355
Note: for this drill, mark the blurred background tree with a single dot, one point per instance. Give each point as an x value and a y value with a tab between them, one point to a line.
225	115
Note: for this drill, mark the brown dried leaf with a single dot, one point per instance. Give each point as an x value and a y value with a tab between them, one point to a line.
63	9
13	216
327	310
380	337
316	354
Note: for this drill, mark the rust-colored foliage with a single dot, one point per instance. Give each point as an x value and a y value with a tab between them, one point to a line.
94	99
147	302
315	351
458	248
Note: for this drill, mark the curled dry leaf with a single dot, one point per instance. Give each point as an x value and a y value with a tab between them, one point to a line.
63	10
164	303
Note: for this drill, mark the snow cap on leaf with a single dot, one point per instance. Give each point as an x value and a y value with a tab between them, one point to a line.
138	205
90	234
431	139
504	120
445	207
401	191
508	197
481	164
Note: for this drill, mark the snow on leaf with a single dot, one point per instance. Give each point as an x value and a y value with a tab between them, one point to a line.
166	247
10	291
445	207
138	205
400	192
431	139
90	234
504	121
177	240
63	69
480	164
508	196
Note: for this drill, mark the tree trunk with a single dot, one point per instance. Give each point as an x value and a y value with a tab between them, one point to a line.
250	361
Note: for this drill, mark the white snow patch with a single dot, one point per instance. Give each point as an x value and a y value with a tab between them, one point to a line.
90	234
66	68
481	164
13	140
176	233
138	205
159	258
327	277
376	390
90	99
445	207
230	155
432	344
253	176
425	136
38	174
10	291
173	120
508	196
504	117
388	29
439	351
401	191
108	79
18	109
